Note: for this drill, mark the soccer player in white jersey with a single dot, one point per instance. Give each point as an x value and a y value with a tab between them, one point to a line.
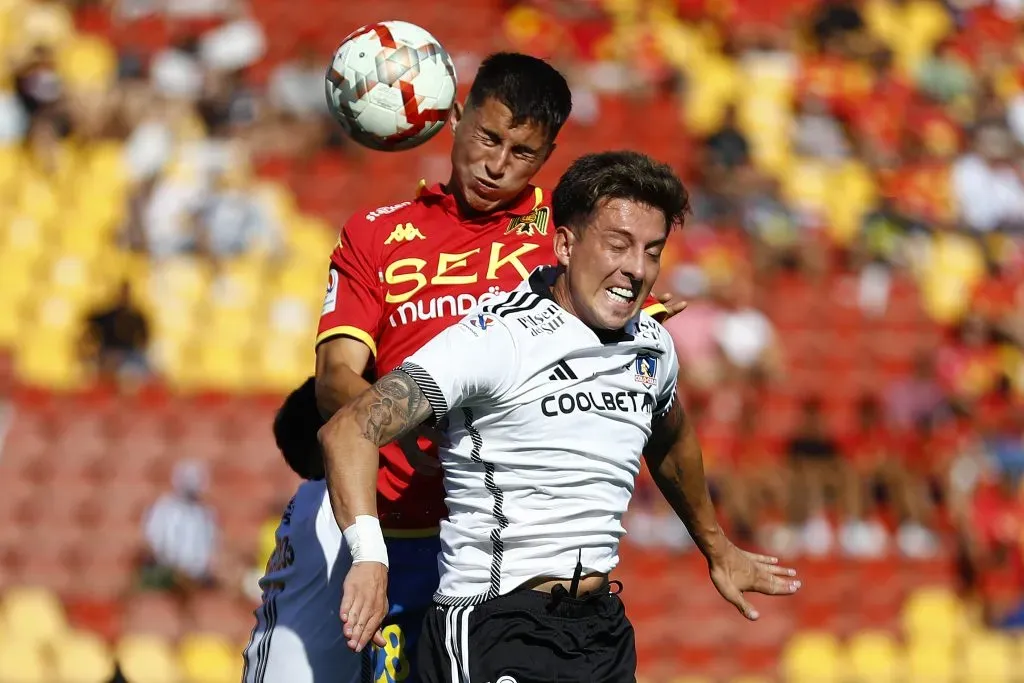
298	636
549	396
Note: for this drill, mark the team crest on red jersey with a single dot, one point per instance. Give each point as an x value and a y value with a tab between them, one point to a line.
535	222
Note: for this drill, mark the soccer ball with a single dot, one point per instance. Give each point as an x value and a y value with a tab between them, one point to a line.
391	86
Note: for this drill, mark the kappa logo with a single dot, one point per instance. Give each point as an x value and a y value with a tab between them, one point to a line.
506	679
404	233
535	222
646	370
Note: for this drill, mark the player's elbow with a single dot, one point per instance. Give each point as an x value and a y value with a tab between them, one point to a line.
339	434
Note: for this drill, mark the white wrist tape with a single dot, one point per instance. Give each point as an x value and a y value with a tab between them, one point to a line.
366	541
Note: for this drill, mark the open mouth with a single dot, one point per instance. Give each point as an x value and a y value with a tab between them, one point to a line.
621	295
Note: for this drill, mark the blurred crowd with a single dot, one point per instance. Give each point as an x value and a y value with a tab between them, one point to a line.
841	153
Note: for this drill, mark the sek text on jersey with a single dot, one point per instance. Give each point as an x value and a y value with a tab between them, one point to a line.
408	277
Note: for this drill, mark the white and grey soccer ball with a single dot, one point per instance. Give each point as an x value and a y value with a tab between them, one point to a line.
391	86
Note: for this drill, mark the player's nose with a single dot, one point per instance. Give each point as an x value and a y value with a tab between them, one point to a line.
497	163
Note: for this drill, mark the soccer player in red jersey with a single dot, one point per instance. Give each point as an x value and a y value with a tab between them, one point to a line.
401	274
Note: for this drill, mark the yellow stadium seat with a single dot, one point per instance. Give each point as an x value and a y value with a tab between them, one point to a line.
208	659
220	366
87	62
11	161
988	658
23	661
714	87
930	662
301	278
849	196
811	657
35	613
147	659
873	657
806	184
291	317
26	238
310	241
183	278
82	657
932	615
38	198
238	286
284	362
48	361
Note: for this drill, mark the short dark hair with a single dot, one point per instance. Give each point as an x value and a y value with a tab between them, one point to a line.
295	430
594	178
532	89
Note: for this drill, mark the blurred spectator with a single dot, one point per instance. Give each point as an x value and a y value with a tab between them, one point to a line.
970	364
820	477
745	335
915	398
987	183
116	339
727	148
232	221
945	76
296	86
37	84
181	534
700	358
817	133
758	488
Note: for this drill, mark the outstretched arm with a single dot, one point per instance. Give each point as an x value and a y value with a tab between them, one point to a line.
674	457
351	439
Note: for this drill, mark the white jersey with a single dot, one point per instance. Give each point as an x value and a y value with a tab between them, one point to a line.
298	636
547	423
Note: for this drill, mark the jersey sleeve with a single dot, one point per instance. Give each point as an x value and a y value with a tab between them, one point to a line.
354	302
669	379
654	308
469	362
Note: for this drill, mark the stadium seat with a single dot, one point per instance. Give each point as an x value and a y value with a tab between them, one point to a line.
811	657
82	657
988	657
87	62
22	661
930	662
932	615
207	658
35	613
873	657
147	659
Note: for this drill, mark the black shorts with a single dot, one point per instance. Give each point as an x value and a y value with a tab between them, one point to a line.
529	637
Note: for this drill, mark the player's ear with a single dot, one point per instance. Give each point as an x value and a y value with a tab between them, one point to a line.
455	115
565	239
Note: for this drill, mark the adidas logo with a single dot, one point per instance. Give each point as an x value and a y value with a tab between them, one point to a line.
562	371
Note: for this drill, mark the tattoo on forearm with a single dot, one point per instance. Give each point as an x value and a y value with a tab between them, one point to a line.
392	407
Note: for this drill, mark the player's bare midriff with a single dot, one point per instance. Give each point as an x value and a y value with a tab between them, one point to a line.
588	583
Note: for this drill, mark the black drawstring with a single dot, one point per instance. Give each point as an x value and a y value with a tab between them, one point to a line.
574	587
